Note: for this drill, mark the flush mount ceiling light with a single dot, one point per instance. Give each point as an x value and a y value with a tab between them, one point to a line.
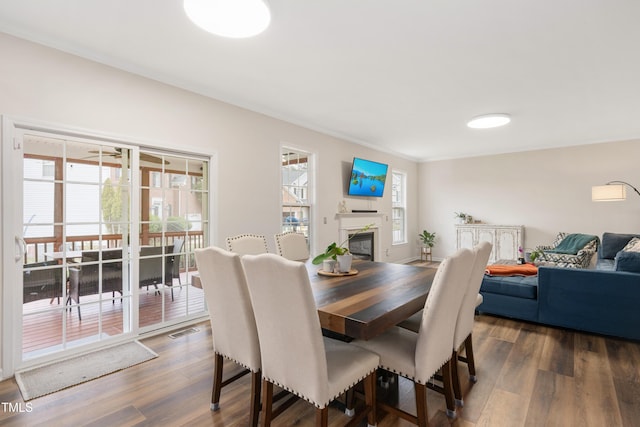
487	121
229	18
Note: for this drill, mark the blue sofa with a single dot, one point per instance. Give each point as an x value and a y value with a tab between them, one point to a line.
603	300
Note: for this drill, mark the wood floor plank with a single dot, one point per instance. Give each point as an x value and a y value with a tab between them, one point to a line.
596	399
521	367
554	402
557	353
504	329
490	356
624	359
504	409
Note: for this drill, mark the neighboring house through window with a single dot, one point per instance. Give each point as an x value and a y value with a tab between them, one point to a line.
296	197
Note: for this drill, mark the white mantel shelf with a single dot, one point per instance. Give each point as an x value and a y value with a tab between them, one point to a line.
358	214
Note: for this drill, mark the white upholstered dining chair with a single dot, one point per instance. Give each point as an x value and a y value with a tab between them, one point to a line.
292	246
247	244
418	356
295	355
466	317
233	325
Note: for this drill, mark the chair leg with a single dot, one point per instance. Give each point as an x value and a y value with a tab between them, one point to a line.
217	382
322	417
370	398
349	402
468	345
455	379
267	403
256	384
448	390
421	405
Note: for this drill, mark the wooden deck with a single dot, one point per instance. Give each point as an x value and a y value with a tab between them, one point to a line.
43	319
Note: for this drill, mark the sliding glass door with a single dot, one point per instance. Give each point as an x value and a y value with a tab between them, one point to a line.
76	230
102	235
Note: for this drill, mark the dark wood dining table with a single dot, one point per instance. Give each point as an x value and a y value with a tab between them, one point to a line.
368	303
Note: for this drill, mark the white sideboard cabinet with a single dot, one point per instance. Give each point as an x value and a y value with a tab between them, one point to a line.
505	239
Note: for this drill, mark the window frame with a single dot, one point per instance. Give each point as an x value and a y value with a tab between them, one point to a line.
399	206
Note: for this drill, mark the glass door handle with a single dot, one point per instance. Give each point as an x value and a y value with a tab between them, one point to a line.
20	243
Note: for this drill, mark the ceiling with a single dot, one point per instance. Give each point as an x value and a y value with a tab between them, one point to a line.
400	76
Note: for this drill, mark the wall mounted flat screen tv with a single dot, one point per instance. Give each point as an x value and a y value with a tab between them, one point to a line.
367	178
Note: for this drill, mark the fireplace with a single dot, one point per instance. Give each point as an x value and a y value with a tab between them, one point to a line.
366	244
361	246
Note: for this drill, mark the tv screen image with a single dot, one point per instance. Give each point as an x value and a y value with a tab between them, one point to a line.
367	178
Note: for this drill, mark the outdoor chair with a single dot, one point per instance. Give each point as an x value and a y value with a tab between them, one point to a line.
41	280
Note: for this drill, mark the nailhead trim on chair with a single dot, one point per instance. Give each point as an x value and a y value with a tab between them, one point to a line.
317	405
386	368
235	361
241	236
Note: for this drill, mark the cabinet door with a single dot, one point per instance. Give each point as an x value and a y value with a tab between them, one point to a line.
465	238
488	235
507	242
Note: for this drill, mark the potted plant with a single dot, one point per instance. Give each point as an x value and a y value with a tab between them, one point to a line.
535	254
339	253
428	241
463	218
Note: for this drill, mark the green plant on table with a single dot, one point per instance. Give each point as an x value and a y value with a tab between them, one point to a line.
461	215
333	250
535	254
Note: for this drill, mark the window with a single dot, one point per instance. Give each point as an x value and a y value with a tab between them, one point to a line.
296	200
399	207
48	169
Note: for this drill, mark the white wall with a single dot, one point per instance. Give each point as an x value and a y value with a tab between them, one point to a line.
547	191
47	85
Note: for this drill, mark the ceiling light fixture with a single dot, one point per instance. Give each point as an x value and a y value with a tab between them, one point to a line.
229	18
487	121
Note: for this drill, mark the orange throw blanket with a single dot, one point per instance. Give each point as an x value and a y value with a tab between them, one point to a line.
511	270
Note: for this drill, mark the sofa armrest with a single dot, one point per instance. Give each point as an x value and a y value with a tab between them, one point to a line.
599	301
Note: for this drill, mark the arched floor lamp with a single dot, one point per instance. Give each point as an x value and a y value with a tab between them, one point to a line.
612	191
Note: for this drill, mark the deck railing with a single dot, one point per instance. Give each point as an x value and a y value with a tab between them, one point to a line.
38	246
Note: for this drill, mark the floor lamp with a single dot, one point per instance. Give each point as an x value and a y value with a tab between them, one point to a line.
612	191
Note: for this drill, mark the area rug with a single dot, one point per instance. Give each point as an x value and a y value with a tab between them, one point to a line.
50	378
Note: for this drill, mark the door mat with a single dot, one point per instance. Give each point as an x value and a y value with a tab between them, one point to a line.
54	377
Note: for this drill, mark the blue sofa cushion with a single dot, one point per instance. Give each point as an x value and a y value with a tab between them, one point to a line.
627	261
605	264
612	243
516	286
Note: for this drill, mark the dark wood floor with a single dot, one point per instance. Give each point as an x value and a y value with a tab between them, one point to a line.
528	375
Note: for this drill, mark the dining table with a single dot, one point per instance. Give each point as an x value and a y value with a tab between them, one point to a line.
371	298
